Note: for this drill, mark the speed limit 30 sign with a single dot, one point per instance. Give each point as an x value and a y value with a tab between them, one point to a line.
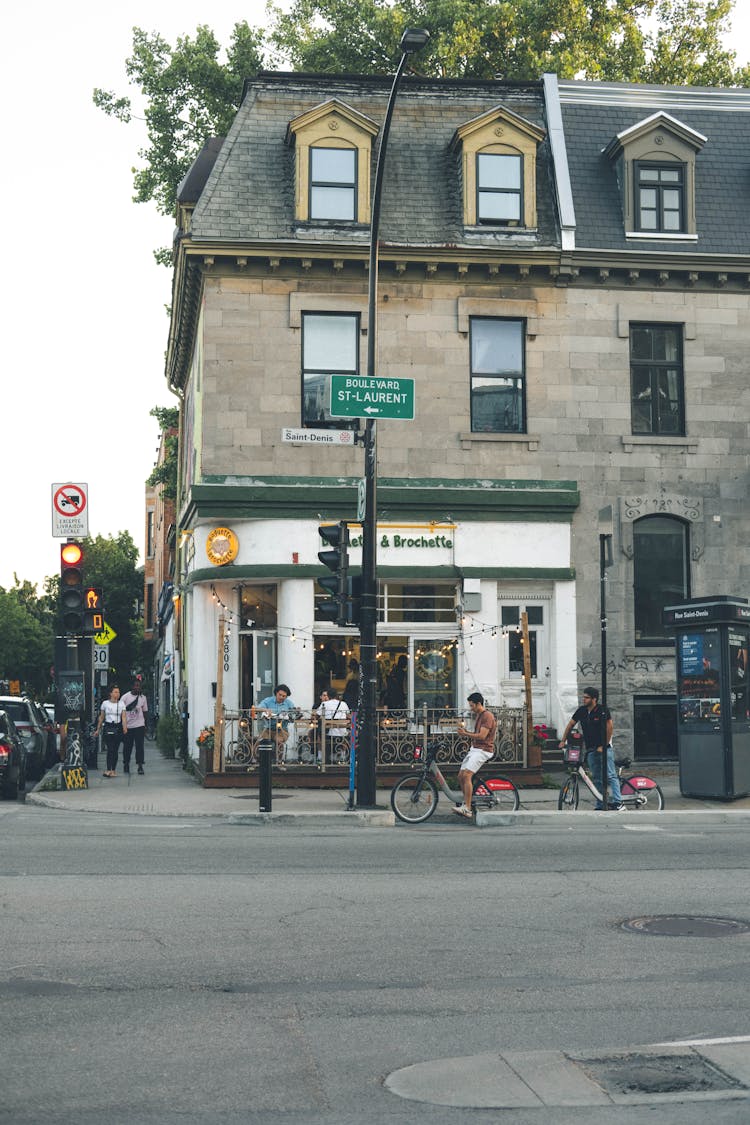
101	657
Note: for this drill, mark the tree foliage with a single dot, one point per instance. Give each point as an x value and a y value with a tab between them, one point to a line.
164	474
663	41
26	637
189	94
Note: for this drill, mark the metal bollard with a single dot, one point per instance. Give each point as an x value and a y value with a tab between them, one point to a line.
265	756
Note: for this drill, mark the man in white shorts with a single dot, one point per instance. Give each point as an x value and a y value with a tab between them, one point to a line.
482	748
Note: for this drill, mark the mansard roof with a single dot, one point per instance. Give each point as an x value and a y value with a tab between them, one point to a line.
594	114
249	195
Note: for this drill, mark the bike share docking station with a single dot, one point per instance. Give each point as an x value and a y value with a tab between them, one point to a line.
713	695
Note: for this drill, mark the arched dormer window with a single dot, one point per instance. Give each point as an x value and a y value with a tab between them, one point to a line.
655	163
661	575
333	144
498	169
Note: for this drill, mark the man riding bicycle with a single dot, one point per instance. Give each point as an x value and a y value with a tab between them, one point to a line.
482	749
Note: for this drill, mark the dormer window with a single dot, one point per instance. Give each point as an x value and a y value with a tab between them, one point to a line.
333	144
655	165
499	187
333	183
660	199
498	169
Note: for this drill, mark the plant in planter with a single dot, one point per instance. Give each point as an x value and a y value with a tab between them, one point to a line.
205	739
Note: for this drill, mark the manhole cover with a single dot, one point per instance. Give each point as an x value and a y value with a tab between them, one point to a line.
658	1074
686	925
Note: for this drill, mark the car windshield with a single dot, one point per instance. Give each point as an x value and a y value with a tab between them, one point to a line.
17	710
3	723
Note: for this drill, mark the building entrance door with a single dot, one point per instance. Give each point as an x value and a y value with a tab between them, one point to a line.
257	667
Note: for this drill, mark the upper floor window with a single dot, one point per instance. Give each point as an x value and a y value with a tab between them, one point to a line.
333	183
497	375
660	197
150	533
661	575
655	162
498	153
656	379
329	347
499	187
332	143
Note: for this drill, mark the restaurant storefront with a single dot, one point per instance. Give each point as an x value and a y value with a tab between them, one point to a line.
451	597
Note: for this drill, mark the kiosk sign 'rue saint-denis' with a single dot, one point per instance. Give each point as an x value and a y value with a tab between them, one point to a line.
358	396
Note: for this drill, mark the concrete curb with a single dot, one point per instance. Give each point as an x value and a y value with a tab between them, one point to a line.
536	1079
555	819
363	819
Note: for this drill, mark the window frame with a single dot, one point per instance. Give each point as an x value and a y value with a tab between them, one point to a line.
665	166
352	185
665	638
521	322
328	423
657	367
480	191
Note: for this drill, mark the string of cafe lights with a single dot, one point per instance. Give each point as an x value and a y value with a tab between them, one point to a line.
305	634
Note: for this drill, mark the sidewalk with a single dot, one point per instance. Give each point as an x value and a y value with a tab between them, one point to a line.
168	790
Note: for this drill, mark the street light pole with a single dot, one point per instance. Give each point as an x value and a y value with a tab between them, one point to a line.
412	40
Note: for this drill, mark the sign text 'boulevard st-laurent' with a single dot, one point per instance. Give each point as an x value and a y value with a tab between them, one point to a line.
355	396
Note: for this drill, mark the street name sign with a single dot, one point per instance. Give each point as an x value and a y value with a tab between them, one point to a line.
357	396
317	437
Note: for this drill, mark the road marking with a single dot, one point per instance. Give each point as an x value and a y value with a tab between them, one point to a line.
704	1042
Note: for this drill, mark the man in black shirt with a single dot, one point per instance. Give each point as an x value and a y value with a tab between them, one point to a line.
592	718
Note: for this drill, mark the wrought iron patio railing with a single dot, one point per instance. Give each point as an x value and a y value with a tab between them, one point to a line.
304	739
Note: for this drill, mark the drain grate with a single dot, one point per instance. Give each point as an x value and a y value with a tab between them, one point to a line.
685	925
658	1074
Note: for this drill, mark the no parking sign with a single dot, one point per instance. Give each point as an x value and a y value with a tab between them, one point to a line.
70	510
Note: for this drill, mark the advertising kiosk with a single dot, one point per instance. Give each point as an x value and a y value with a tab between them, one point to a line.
713	695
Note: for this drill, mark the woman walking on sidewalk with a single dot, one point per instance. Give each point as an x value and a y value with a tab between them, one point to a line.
110	715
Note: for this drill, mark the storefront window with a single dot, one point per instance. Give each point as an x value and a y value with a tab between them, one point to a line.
410	602
412	672
258	607
435	674
510	619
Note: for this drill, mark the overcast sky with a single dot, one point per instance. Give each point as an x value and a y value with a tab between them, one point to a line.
84	327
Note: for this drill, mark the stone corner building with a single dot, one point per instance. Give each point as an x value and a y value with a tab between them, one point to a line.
565	275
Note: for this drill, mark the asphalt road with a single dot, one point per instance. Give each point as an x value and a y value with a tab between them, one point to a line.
165	971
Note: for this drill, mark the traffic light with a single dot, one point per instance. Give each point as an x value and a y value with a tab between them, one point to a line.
71	587
335	607
93	611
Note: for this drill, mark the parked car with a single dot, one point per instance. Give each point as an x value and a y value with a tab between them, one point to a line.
53	736
12	759
32	729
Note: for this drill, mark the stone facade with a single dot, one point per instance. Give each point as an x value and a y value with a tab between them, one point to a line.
577	295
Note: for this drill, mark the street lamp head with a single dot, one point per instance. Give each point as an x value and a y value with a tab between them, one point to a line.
413	39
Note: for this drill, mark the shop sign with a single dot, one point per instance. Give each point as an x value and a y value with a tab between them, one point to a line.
222	546
428	541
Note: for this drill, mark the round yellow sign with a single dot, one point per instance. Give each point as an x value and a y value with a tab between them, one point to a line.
222	546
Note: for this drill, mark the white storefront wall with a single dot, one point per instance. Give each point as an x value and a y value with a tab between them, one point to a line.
464	546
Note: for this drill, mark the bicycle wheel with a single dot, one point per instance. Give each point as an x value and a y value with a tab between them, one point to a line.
495	793
641	794
568	799
414	799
